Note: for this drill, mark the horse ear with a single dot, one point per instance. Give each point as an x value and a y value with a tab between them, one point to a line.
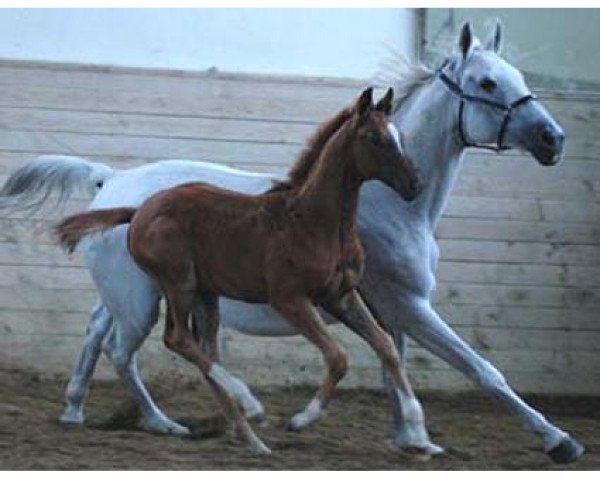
385	104
364	102
465	40
494	42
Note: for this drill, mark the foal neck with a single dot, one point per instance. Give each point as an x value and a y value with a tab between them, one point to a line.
330	193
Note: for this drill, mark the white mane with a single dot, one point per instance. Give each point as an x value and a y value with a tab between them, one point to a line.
397	72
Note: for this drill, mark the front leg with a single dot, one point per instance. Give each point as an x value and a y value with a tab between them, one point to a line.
426	327
353	312
402	434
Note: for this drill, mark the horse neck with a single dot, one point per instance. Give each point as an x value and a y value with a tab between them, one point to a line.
330	193
429	122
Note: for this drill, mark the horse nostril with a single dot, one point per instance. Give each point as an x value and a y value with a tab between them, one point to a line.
416	185
548	136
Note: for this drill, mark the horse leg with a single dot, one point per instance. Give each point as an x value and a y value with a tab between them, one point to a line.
353	312
100	322
427	328
179	338
303	315
205	323
121	349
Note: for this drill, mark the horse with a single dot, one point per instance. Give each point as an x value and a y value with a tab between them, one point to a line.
440	112
295	247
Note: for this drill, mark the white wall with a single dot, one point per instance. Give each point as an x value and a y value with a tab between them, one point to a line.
328	42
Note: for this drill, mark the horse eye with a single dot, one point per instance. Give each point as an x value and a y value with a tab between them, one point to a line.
374	138
488	85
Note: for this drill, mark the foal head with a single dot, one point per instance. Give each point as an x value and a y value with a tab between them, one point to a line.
377	149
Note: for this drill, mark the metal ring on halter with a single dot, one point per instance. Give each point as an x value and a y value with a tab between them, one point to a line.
465	97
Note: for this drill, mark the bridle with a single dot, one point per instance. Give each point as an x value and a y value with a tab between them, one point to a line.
465	97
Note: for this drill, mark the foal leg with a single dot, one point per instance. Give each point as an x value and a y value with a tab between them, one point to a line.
179	338
352	311
303	315
100	322
205	323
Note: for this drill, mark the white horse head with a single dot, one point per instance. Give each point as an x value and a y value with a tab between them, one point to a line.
487	82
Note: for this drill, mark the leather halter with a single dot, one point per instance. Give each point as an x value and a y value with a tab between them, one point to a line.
465	97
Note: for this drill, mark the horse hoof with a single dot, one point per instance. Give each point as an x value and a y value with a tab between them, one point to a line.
71	421
566	451
167	427
256	417
418	453
67	425
293	426
259	448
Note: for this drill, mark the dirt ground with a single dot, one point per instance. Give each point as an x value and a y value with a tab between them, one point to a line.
477	432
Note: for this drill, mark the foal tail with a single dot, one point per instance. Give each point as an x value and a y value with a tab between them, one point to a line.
70	231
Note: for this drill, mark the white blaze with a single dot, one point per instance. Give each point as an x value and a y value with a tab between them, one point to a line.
395	135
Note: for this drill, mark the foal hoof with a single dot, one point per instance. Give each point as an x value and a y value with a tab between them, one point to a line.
566	451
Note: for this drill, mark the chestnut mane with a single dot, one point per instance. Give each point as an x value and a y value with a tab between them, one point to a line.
301	168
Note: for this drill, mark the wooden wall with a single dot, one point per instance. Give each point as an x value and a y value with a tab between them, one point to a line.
520	270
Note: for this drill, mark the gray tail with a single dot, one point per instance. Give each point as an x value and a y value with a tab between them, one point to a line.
29	187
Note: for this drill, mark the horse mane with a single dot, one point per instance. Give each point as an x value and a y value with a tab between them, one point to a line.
404	77
299	171
397	72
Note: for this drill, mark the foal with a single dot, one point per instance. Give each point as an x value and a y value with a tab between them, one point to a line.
295	247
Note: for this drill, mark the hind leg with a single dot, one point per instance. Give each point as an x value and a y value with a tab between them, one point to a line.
205	322
121	349
132	299
100	322
179	338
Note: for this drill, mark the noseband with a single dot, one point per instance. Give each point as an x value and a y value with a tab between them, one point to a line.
465	97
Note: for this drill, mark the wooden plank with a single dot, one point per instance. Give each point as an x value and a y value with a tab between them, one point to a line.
518	295
36	254
44	277
515	317
523	209
208	150
133	124
521	274
529	186
465	228
516	252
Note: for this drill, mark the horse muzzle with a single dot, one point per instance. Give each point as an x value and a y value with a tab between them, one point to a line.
549	144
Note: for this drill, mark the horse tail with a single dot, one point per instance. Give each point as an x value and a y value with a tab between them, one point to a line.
31	185
70	231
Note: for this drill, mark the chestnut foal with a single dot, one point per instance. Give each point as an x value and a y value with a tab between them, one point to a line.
295	247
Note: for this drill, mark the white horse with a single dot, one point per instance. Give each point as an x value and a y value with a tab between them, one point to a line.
476	99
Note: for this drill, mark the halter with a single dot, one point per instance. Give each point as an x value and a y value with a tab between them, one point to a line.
465	97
